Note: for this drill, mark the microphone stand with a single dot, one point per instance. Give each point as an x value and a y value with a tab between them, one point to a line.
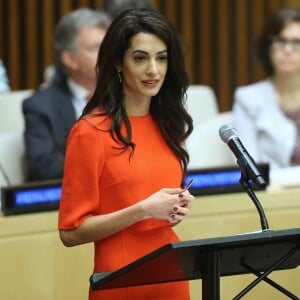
244	181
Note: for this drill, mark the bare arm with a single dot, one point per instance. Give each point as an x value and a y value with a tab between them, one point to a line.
172	205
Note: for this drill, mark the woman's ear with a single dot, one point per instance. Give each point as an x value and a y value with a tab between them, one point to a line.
118	68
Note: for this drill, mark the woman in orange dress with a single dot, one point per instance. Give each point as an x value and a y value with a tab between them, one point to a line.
125	160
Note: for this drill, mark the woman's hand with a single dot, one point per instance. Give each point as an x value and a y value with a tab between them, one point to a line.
181	211
170	204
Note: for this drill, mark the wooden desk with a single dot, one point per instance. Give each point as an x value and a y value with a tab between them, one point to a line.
35	265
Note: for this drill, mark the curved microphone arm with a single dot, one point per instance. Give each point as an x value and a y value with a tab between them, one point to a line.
250	174
247	188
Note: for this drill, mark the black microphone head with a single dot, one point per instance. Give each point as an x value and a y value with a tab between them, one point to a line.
227	133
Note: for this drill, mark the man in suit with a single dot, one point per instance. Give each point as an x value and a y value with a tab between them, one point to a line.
52	110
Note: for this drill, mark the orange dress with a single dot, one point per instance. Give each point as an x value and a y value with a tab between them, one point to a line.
99	179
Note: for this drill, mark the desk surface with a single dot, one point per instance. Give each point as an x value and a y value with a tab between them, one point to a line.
212	205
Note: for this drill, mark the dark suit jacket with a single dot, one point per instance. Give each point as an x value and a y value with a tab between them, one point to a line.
49	116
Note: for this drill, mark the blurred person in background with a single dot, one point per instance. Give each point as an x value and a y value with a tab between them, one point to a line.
113	7
4	82
52	110
267	113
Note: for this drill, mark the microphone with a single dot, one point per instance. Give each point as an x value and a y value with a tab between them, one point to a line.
244	160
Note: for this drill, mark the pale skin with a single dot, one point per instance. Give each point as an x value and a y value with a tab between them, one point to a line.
286	63
81	63
143	71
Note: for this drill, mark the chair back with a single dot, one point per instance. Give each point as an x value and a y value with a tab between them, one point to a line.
12	163
11	116
201	103
205	147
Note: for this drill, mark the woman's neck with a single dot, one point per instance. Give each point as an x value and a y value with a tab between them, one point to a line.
288	91
287	83
137	107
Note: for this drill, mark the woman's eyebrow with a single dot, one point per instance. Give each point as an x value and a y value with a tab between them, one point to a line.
145	52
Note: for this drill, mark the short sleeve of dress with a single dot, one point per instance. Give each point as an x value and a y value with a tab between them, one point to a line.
83	164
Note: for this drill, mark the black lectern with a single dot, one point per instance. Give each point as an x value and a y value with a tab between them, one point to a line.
259	253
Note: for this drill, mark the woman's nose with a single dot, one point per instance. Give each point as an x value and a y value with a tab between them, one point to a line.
152	68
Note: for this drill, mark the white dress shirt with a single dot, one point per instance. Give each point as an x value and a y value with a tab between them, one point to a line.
80	95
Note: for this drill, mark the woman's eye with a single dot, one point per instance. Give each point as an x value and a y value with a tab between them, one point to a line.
163	57
139	58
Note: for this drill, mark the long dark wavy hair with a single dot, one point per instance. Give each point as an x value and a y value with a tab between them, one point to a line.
167	107
272	28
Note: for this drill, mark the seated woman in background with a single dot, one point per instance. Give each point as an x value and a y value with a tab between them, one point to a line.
267	113
4	84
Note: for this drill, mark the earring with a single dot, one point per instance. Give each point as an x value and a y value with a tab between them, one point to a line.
120	78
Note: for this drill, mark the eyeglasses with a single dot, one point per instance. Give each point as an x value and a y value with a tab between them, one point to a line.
280	42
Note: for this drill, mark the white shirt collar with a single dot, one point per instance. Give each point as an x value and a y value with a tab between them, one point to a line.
78	90
79	98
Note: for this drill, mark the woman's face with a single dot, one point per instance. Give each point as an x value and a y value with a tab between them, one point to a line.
285	50
144	67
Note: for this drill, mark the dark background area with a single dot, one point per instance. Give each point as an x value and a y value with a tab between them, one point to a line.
218	36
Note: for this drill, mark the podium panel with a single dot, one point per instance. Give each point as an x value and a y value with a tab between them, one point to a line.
188	260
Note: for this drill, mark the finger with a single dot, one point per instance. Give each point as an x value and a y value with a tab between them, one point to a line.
183	211
183	201
175	209
172	218
173	223
180	215
173	191
186	204
187	197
